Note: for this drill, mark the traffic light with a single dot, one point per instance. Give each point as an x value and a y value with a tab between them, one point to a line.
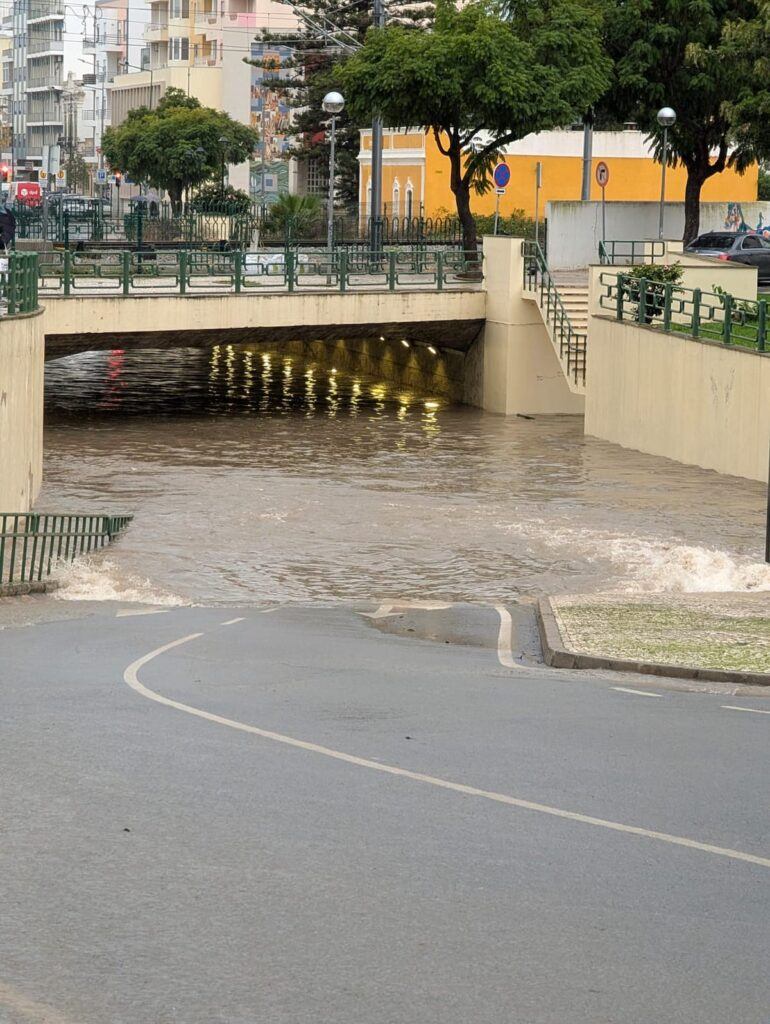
5	174
118	179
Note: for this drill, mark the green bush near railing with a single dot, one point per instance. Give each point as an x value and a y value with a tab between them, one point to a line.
32	545
715	316
186	271
18	283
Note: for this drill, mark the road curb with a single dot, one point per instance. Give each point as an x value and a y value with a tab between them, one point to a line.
558	655
33	587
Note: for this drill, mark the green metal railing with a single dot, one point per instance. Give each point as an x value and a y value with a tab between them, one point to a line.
632	251
571	343
715	316
32	545
18	283
187	271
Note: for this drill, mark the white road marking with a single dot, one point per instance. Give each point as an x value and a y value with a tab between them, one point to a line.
754	711
504	651
126	612
30	1009
131	677
396	607
639	693
231	622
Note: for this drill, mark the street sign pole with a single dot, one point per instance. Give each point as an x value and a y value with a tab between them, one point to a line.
501	176
602	177
604	214
538	184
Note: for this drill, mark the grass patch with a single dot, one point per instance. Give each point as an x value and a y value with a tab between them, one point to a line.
671	636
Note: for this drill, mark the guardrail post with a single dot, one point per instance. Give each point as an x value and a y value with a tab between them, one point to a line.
289	265
761	325
182	271
440	270
342	262
392	271
642	310
12	284
727	326
125	259
667	292
238	271
67	272
695	327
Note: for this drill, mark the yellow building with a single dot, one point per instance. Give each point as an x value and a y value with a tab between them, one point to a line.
416	175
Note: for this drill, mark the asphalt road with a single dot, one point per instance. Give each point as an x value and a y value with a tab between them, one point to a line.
311	815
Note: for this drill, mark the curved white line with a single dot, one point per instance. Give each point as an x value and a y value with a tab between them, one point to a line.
130	676
504	645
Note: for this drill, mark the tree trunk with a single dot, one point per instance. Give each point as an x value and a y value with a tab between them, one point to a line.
692	192
175	192
462	194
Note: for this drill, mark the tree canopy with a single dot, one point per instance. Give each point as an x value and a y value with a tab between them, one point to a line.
699	57
479	81
176	145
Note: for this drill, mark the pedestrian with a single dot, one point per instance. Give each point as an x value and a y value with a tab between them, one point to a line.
7	223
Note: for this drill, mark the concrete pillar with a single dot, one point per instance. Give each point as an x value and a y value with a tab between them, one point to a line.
521	372
22	355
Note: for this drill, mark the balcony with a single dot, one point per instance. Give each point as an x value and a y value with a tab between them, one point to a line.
44	10
207	20
43	45
156	32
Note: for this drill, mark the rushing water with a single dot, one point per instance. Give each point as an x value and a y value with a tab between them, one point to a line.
255	477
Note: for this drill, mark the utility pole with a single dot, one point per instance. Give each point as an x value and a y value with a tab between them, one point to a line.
588	142
375	213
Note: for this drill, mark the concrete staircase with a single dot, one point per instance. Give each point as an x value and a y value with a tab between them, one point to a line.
563	304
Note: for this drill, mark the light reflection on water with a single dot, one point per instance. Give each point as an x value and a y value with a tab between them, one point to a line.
256	476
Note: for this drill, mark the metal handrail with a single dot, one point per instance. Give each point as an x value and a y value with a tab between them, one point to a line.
32	545
571	343
18	283
183	271
713	316
631	251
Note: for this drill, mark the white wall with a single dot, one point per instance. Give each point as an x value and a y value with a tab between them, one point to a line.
21	411
575	228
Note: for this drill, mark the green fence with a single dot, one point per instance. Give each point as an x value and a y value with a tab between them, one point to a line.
631	251
127	272
18	283
33	545
716	316
571	343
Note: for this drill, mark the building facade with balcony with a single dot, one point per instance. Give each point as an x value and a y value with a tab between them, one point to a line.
199	46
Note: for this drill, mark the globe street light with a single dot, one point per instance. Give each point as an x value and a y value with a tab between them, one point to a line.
333	103
666	117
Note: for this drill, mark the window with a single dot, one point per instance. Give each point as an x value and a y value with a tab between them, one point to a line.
179	9
178	48
396	199
409	212
752	242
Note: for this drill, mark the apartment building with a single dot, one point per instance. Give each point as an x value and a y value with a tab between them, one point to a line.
200	46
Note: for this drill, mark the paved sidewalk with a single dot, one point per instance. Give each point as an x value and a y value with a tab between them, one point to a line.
725	631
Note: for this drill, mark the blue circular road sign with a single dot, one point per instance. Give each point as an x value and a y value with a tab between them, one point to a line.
501	175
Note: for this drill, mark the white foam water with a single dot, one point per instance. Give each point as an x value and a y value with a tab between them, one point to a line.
100	579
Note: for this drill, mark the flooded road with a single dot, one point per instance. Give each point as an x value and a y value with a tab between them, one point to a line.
258	477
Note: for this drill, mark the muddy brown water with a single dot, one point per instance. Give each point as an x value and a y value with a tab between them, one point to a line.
258	477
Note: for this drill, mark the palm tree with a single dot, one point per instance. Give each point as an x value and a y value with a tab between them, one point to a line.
293	216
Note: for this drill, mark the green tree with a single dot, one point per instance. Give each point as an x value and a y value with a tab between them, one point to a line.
684	55
478	81
177	145
291	217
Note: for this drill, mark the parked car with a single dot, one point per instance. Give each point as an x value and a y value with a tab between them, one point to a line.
744	247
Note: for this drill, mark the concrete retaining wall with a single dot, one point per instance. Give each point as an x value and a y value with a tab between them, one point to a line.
575	228
694	401
21	411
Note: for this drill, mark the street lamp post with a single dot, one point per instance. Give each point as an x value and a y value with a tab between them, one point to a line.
666	117
333	103
223	143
